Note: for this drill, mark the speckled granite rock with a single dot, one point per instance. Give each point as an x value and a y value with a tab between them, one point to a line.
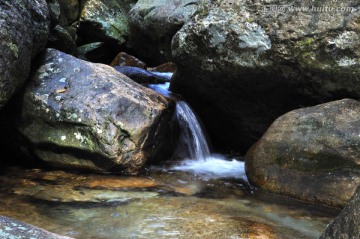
24	28
84	115
312	154
241	65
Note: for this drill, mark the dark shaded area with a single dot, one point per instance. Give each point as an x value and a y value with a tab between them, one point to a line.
237	107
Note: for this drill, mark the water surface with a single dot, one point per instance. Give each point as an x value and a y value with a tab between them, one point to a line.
165	203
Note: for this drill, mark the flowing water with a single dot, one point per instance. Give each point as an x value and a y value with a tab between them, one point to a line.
163	204
192	134
194	147
204	196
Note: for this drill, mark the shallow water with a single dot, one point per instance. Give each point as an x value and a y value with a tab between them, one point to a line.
165	203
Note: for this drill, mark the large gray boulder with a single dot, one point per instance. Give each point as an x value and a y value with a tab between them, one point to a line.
24	27
312	154
78	114
347	224
153	25
104	20
241	65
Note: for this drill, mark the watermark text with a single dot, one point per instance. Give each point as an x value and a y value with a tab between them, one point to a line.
318	9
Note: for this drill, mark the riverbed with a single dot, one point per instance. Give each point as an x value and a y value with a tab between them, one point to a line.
163	203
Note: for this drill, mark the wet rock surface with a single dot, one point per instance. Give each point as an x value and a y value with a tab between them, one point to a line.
166	67
24	27
241	67
346	225
104	20
77	114
124	59
310	154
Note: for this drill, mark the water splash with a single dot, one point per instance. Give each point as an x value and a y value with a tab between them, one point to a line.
215	166
192	134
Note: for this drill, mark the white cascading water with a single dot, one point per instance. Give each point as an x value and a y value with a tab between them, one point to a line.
199	160
192	133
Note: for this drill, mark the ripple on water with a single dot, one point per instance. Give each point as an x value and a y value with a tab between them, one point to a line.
200	208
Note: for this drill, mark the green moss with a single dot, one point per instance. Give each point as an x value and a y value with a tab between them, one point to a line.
14	48
203	10
307	53
305	43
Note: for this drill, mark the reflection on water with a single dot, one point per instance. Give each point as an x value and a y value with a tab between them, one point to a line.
163	204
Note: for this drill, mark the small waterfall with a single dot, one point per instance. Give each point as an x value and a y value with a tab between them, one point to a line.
192	134
194	146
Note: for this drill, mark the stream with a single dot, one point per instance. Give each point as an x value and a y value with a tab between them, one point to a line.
204	195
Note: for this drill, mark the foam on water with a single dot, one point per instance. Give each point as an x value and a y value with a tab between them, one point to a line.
214	166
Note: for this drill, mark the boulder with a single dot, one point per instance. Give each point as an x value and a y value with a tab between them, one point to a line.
24	28
166	67
63	12
124	59
153	25
142	76
104	20
95	52
11	228
54	11
64	15
347	224
69	12
61	40
312	154
77	114
242	65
